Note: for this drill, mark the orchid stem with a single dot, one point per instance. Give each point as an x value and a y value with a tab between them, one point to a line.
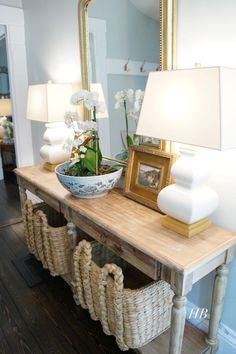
127	125
96	142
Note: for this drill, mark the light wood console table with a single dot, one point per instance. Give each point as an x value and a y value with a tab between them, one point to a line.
135	234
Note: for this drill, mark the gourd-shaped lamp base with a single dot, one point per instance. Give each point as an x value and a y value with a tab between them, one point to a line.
53	152
188	202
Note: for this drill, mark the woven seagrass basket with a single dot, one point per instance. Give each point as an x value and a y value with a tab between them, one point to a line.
46	237
133	316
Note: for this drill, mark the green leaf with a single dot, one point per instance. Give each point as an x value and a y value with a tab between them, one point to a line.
129	141
115	166
89	147
99	156
99	152
75	170
90	160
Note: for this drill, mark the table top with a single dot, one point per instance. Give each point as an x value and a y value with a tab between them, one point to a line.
136	224
7	143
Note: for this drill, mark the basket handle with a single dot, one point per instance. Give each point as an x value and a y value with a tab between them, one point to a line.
41	232
82	266
118	302
28	216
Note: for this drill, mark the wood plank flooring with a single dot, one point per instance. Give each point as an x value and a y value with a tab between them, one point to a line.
44	319
9	202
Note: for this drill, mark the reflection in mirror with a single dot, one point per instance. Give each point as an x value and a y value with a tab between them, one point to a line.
4	81
7	144
123	48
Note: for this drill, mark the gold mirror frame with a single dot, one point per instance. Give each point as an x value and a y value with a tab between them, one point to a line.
167	42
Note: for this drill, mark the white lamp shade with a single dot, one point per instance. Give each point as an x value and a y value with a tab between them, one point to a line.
5	107
97	87
191	106
48	102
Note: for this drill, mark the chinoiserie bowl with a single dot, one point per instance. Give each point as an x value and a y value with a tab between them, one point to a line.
88	187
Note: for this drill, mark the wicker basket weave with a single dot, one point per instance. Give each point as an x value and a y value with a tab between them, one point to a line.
134	317
46	237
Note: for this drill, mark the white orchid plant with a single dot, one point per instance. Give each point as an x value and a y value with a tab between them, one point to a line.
123	99
86	156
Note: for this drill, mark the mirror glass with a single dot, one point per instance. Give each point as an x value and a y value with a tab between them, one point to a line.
124	47
4	81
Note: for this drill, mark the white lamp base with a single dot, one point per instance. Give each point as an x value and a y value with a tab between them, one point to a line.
188	201
55	133
53	153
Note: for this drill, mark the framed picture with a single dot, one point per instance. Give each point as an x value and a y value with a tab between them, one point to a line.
148	171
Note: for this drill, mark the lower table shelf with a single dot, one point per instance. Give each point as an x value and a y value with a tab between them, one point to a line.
194	343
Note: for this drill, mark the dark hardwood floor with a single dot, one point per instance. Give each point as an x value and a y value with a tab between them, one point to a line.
43	319
9	201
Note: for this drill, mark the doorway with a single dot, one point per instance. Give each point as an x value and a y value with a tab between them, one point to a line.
7	140
12	20
9	197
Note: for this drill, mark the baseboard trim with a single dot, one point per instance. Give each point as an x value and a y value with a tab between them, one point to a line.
225	333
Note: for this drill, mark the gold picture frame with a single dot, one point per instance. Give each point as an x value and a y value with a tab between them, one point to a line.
148	171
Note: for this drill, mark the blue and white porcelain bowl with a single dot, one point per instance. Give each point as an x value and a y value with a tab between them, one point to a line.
90	186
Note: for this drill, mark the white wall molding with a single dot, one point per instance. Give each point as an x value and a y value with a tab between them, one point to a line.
13	19
228	335
225	333
116	67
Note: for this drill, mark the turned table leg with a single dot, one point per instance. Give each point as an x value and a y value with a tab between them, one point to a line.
217	306
177	324
181	284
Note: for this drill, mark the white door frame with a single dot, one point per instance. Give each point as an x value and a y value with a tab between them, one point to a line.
13	19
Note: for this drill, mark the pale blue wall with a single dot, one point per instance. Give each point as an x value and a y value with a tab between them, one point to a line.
128	30
130	34
117	118
12	3
3	52
52	46
201	296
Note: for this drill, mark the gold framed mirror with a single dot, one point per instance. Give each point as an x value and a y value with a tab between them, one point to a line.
167	26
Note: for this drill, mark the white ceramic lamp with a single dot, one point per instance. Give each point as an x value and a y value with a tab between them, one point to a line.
48	103
194	107
5	110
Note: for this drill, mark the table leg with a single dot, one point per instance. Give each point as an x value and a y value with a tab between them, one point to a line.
217	306
181	284
23	196
177	324
72	234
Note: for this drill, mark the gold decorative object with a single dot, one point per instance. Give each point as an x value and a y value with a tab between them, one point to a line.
147	173
187	230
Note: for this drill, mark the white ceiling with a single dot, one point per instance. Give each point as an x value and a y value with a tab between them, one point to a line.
148	7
